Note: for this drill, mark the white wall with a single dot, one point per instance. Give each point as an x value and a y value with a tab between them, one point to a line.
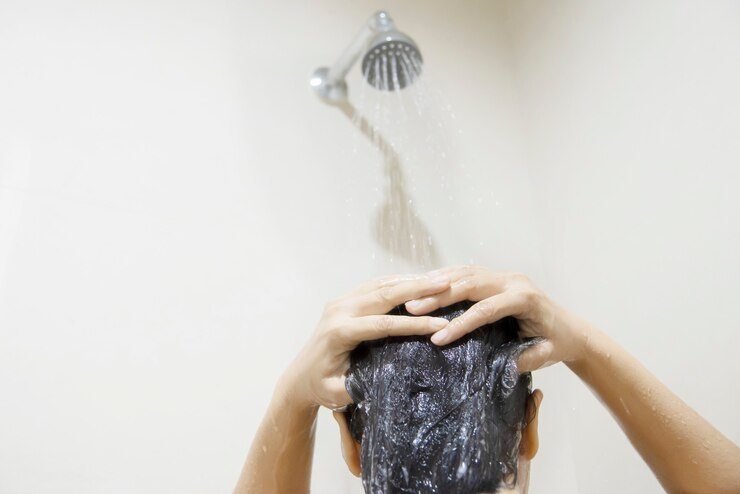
632	125
176	206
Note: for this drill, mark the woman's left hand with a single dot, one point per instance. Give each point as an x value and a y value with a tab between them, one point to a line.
499	294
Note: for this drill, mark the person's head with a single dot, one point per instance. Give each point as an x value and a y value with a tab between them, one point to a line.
455	419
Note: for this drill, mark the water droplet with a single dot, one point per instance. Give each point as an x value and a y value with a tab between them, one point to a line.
462	470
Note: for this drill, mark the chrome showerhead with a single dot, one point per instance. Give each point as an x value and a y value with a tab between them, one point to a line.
391	60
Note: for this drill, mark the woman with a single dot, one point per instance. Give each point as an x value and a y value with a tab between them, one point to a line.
683	450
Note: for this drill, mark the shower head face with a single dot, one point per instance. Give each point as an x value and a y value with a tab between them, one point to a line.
392	62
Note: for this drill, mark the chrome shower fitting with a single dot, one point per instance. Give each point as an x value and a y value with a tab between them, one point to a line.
391	60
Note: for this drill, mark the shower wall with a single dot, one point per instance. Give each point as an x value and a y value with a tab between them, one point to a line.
631	120
176	206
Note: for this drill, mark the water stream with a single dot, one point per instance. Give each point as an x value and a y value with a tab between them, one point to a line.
411	129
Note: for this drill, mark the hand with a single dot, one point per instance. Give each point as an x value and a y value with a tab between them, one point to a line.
499	294
318	373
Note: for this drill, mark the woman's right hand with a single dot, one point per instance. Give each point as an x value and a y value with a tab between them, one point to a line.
499	294
318	373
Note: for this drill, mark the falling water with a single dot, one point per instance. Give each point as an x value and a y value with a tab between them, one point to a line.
411	130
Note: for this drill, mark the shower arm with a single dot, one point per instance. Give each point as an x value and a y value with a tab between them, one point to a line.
379	22
328	82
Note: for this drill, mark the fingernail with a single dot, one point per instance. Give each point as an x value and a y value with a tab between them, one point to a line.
440	337
439	323
415	304
432	274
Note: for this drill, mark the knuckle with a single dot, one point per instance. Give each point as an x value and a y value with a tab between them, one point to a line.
482	311
467	269
459	270
385	295
384	280
470	282
333	318
339	330
529	297
342	335
518	299
384	324
520	278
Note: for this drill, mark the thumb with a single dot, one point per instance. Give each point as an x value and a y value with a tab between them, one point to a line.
536	357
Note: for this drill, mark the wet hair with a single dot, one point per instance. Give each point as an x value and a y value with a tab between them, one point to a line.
439	419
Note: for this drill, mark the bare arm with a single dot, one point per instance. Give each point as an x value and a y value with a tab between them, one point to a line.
280	457
279	460
686	453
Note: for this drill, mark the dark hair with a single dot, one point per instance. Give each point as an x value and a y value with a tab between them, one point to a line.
439	420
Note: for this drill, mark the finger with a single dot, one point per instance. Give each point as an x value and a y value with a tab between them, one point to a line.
382	281
376	327
458	270
486	311
464	285
537	357
384	298
336	393
466	270
459	290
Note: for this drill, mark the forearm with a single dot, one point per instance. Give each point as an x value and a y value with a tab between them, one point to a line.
684	451
279	460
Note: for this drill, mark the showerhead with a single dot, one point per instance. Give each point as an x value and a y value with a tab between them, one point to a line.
391	60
